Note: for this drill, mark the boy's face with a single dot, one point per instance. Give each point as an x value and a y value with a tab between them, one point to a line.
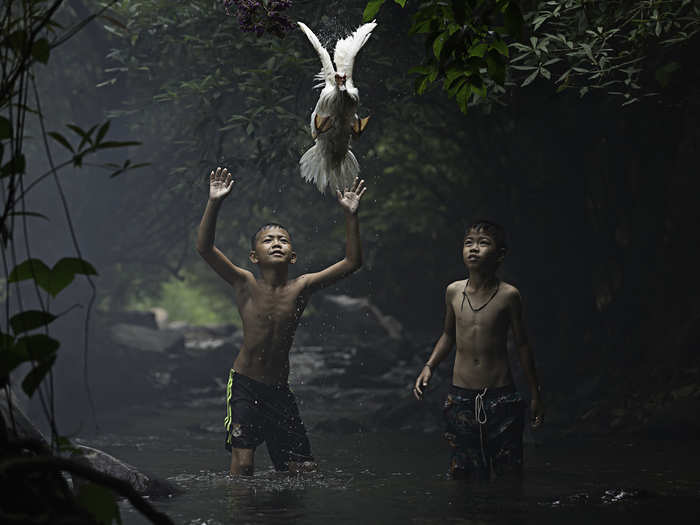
273	246
480	251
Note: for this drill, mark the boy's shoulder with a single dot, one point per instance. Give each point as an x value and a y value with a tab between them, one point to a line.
509	290
454	287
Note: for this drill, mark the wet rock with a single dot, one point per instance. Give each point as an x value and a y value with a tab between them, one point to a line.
208	428
376	358
407	413
146	339
203	366
161	317
144	484
342	315
147	319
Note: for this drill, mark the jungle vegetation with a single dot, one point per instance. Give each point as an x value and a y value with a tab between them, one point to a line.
571	122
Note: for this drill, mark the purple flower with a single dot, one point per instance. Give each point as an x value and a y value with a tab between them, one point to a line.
261	16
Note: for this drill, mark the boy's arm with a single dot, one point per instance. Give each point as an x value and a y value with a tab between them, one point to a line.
349	201
442	348
220	185
527	359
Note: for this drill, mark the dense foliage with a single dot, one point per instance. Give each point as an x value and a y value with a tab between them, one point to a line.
480	48
558	170
31	475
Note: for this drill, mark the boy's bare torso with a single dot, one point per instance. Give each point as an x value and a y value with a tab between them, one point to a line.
481	358
270	317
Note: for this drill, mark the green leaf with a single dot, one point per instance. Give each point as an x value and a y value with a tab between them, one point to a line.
128	167
463	97
496	67
29	320
87	138
439	42
31	269
422	84
478	50
29	214
80	132
102	132
36	376
589	53
402	3
37	347
10	358
663	74
479	89
15	166
100	502
64	271
5	128
530	78
116	144
500	46
41	50
455	85
61	140
421	70
371	10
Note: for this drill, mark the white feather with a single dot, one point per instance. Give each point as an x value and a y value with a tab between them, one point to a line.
347	49
327	72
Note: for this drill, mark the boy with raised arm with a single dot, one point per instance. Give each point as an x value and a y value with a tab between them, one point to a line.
259	404
484	413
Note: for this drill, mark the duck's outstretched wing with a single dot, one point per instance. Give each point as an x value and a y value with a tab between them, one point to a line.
327	73
346	49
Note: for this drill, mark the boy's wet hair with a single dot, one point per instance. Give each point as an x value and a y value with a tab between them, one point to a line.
265	227
492	229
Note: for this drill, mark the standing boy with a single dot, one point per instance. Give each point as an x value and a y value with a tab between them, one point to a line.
259	405
483	411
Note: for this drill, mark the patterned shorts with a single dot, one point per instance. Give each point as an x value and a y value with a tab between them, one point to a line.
491	444
257	412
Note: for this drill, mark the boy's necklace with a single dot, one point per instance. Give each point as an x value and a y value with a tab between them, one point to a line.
466	296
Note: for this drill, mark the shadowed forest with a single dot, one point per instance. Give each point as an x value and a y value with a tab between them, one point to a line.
572	123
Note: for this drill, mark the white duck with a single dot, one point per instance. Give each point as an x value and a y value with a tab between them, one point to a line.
330	161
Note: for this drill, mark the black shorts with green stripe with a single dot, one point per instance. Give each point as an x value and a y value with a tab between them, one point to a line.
257	412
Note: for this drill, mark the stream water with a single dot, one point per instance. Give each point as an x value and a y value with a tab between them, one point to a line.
394	477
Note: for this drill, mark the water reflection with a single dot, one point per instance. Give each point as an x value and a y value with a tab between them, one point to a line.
259	504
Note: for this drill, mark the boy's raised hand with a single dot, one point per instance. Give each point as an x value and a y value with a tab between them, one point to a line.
422	382
350	199
220	184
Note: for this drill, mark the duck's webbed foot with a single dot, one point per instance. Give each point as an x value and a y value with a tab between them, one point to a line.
359	125
322	124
